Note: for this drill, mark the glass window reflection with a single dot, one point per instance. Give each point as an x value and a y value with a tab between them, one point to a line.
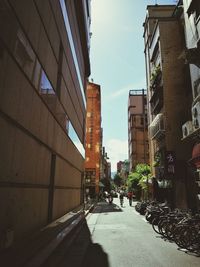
69	34
45	85
74	137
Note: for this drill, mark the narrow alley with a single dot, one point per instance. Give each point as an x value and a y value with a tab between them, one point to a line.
128	240
99	98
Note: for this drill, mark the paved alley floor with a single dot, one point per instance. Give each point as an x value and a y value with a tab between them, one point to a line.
122	238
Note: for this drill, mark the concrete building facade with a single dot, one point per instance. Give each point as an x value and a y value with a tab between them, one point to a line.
93	139
168	93
137	128
191	126
44	64
106	165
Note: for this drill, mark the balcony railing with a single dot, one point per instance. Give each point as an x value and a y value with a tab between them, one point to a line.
156	100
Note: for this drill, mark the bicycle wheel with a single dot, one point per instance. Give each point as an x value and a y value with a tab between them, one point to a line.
154	224
162	227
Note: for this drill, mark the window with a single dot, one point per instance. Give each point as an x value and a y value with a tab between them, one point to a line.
67	125
36	74
75	139
24	53
97	148
45	85
97	165
71	42
89	114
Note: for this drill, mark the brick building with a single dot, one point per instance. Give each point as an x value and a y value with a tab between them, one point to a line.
44	65
168	93
93	138
137	128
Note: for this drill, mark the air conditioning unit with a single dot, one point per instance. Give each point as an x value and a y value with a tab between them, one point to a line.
187	128
157	128
196	115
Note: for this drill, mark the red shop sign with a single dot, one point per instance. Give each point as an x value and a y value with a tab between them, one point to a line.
196	155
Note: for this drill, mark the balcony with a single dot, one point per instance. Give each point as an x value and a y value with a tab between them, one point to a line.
157	128
156	100
156	78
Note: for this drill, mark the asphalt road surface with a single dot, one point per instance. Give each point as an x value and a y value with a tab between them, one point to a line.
120	237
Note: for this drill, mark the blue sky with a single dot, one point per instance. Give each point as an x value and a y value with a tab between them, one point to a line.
117	64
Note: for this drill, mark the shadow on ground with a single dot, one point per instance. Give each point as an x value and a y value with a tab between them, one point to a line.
95	256
82	252
104	207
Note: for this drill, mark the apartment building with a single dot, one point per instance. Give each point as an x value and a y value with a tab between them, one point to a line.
169	96
191	126
123	168
137	128
44	65
93	139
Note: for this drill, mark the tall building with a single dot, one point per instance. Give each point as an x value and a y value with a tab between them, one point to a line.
93	139
119	166
137	128
191	126
44	65
168	94
106	165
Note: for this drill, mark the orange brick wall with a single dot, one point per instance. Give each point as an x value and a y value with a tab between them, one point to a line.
93	132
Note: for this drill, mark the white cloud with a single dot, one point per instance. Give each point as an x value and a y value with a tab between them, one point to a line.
117	150
125	90
122	91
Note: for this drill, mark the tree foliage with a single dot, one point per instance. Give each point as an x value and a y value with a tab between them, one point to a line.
138	180
143	169
133	180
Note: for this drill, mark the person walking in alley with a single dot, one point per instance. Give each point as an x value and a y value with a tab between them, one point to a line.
130	198
121	197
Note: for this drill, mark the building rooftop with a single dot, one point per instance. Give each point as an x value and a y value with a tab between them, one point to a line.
138	92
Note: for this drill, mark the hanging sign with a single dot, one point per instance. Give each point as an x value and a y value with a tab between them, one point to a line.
170	162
